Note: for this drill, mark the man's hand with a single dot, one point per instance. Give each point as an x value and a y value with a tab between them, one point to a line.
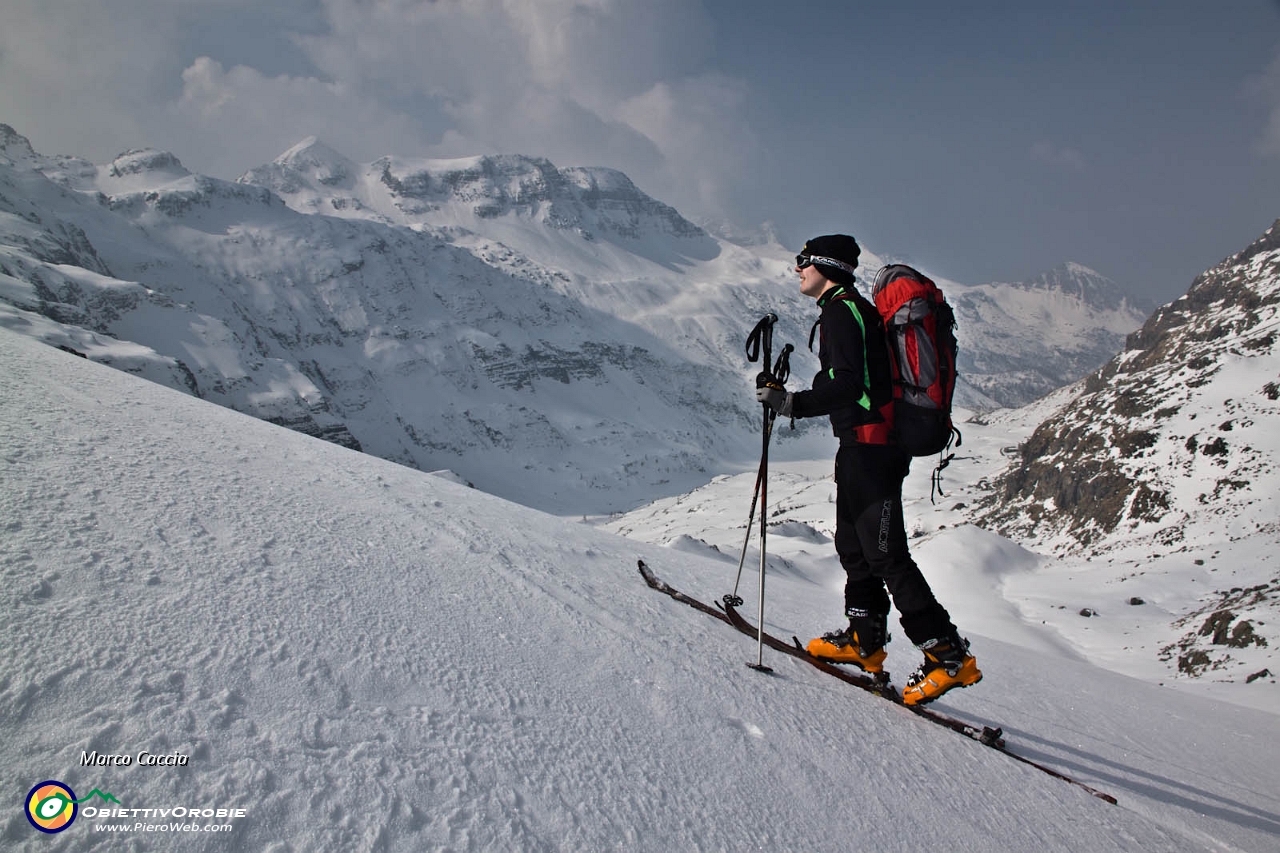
775	398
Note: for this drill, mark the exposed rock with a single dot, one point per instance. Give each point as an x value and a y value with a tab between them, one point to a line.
1158	421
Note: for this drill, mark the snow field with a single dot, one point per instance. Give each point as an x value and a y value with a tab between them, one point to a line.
366	657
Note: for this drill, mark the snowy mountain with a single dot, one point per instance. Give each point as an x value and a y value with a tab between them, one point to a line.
1177	428
359	656
588	234
1018	341
588	202
375	335
553	335
1021	341
1171	448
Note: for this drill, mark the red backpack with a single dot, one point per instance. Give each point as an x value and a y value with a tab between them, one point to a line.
920	329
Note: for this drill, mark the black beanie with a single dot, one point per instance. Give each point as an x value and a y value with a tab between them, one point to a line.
839	247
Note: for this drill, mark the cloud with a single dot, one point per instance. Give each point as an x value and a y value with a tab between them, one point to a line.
1264	89
72	73
240	118
585	82
230	84
94	79
697	124
590	51
1057	156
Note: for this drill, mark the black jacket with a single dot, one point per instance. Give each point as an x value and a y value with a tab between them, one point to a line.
855	379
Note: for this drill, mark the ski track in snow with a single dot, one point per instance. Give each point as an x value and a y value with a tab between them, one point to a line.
366	657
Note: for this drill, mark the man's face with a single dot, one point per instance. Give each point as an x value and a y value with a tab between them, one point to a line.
812	282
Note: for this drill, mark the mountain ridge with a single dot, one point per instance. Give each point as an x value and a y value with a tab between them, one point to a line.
1121	412
557	313
1036	336
1170	450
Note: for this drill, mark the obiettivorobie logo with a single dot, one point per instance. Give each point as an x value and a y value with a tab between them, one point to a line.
52	805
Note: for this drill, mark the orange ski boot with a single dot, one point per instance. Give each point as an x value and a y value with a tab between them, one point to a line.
847	646
947	664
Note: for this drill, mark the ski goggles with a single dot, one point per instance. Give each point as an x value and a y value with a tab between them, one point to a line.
803	261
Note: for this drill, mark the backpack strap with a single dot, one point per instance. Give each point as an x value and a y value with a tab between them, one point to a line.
872	433
841	294
944	459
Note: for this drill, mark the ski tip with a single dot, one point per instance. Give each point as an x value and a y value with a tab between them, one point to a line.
649	577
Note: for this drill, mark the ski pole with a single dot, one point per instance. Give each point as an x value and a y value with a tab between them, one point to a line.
762	337
781	372
761	334
733	598
764	525
784	361
762	331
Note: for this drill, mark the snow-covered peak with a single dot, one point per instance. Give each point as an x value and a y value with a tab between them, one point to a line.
15	147
584	203
1080	269
1022	340
71	172
147	161
311	151
582	199
142	170
309	165
1087	285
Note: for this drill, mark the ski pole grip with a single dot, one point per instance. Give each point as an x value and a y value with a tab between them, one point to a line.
782	369
765	379
763	331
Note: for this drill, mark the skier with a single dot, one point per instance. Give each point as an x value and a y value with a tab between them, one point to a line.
853	388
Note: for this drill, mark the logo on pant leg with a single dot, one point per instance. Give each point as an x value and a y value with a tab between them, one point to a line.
886	513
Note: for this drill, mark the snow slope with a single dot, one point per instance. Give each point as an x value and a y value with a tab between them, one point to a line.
365	657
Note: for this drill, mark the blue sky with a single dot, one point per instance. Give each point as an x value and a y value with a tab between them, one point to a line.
986	141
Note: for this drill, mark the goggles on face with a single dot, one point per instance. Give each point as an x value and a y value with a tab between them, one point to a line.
803	261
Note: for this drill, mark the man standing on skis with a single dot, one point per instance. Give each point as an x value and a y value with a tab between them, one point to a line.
854	390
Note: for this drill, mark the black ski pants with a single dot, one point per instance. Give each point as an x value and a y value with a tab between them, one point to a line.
871	540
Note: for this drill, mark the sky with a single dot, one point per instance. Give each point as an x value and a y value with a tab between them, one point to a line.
987	141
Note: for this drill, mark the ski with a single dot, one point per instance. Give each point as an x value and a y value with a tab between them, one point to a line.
878	686
662	586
